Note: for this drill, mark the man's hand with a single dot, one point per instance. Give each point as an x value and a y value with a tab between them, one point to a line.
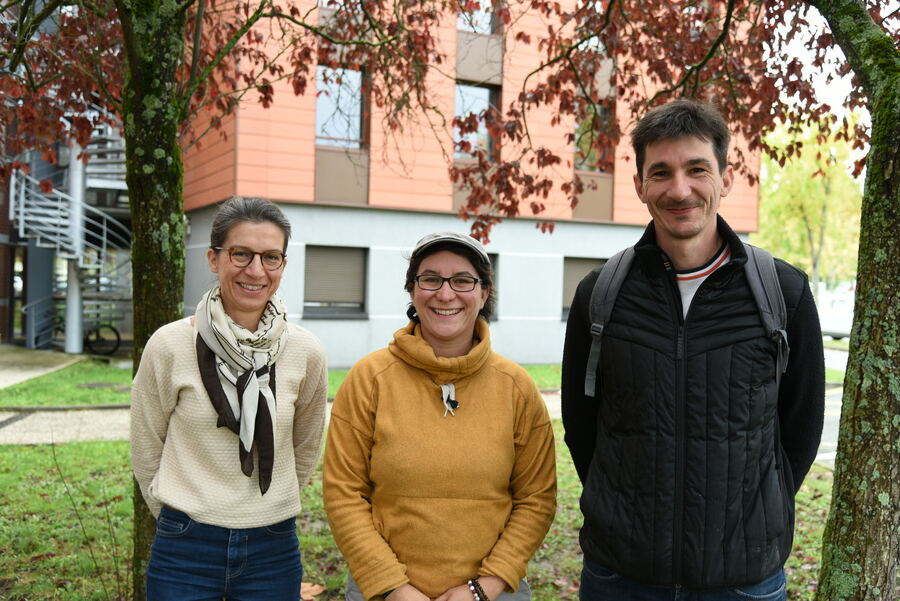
407	592
491	585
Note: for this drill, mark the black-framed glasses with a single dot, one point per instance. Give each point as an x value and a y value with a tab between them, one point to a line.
241	256
458	283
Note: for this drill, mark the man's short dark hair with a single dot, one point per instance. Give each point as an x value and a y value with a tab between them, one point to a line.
681	117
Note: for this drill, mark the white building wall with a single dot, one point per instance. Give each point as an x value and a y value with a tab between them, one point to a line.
529	327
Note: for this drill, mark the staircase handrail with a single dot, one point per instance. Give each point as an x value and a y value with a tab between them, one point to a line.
58	201
26	308
56	205
41	331
120	232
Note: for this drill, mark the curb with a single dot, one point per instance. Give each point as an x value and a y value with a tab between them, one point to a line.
31	409
37	408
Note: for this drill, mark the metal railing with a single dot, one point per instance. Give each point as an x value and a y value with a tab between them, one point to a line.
79	232
41	320
46	217
107	154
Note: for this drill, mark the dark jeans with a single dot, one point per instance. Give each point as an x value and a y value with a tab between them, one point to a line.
600	584
190	561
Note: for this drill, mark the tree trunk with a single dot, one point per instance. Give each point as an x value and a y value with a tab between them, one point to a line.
153	32
862	539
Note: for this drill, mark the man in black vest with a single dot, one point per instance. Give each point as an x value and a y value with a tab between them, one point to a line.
691	451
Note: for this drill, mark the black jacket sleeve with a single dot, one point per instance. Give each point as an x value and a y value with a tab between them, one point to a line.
579	412
801	397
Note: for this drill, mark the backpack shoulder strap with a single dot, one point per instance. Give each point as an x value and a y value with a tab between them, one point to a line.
603	297
766	289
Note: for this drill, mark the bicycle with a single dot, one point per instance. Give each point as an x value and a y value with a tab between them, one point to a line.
99	339
102	339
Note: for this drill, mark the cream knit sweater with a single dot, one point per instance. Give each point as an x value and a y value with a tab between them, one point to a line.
182	460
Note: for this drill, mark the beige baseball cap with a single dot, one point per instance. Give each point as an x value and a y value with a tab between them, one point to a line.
452	237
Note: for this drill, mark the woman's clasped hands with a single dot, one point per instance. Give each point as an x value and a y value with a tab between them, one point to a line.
491	585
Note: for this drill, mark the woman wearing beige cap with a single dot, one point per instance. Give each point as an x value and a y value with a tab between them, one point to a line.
440	480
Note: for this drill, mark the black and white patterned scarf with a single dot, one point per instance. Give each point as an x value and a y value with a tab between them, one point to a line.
237	367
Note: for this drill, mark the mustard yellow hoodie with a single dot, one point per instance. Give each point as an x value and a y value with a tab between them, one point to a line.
416	495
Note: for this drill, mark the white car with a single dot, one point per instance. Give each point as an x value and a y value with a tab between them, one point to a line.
836	311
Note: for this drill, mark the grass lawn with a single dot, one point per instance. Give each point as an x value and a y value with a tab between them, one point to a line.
97	383
841	345
546	376
84	383
834	376
45	554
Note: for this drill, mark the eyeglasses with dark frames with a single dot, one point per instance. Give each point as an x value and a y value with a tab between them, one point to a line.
241	256
458	283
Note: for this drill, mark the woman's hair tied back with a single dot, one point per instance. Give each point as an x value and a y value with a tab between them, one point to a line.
463	245
239	209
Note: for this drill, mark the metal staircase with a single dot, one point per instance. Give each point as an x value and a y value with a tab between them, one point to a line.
98	243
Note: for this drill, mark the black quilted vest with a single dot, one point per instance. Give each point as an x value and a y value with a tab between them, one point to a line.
687	484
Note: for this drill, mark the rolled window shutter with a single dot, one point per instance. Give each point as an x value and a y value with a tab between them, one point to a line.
335	274
574	270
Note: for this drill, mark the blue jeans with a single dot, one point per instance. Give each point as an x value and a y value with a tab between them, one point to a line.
190	561
600	584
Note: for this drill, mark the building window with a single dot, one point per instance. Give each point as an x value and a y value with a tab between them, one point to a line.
588	158
495	258
479	20
334	282
472	100
339	107
574	270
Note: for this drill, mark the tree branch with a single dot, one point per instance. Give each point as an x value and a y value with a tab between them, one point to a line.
889	15
326	36
191	89
871	53
28	27
567	56
694	70
97	78
195	55
129	40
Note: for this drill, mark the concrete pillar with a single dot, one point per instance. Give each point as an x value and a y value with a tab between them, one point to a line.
74	301
38	293
7	251
74	331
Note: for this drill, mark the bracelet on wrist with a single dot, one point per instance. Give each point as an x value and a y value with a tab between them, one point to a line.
476	590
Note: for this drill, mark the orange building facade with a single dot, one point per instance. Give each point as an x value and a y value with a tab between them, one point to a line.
359	198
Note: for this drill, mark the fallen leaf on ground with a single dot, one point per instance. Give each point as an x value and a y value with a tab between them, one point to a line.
309	591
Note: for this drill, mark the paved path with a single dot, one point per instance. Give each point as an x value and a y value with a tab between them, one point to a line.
54	427
18	364
63	424
836	359
59	425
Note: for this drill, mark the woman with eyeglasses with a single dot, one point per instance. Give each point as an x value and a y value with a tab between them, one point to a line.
227	415
440	479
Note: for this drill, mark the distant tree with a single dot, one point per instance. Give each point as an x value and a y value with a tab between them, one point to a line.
809	207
